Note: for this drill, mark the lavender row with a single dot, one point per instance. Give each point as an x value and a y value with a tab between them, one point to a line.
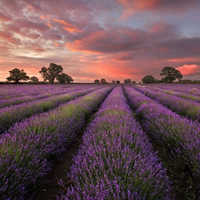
178	93
188	108
187	88
176	136
16	113
13	91
27	149
42	95
116	160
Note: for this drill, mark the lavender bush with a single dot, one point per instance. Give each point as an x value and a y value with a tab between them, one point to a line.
27	149
188	108
41	95
116	160
178	137
185	95
14	91
13	114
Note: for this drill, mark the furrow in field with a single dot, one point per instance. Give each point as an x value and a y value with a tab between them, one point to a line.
28	148
13	114
176	138
14	91
184	107
42	95
193	89
116	160
176	93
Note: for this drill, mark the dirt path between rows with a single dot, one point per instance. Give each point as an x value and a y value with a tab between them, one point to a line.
49	190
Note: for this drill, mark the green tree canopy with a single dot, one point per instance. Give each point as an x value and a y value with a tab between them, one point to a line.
34	79
127	81
103	80
149	79
170	74
96	81
51	73
64	78
16	75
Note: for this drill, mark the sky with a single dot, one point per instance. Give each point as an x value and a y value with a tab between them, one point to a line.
94	39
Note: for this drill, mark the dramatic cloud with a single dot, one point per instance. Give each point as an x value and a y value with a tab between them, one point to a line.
132	7
112	39
188	70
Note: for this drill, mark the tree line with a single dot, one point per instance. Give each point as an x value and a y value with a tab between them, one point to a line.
55	73
169	74
103	81
50	74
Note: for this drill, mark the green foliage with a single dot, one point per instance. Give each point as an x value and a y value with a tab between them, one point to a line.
170	74
64	78
16	75
149	79
34	79
51	73
96	81
103	80
127	81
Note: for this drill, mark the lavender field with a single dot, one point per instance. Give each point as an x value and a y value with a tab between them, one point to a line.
129	141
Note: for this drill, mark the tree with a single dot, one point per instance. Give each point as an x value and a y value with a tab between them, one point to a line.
103	81
63	78
149	79
96	81
16	75
133	82
51	73
127	81
34	79
171	74
113	81
118	82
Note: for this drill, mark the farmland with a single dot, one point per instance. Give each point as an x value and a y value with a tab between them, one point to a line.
135	141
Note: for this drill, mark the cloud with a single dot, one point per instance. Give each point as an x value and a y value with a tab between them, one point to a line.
178	7
67	26
188	70
153	41
8	37
89	40
108	41
4	17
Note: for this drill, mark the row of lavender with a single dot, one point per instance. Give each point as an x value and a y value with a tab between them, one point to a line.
186	88
182	94
178	137
13	91
16	113
27	149
182	106
40	95
116	160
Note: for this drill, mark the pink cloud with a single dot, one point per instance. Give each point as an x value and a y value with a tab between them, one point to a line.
132	7
67	26
8	37
4	17
187	70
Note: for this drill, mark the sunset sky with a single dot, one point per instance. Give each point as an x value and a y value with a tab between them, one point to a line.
94	39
